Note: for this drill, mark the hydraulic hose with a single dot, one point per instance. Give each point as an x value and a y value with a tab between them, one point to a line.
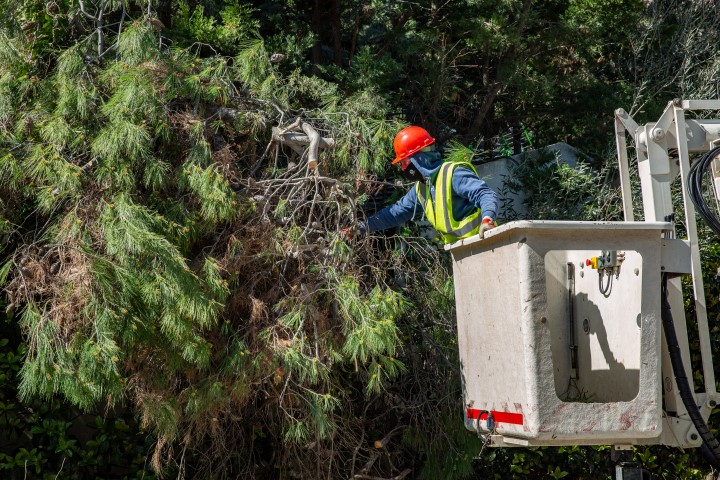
710	447
695	188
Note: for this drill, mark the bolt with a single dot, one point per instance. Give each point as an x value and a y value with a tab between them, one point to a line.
543	319
693	436
712	403
662	268
658	134
582	274
637	271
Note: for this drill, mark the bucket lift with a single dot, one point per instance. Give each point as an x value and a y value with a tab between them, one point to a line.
560	324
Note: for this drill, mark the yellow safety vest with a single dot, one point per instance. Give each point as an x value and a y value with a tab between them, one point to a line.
439	213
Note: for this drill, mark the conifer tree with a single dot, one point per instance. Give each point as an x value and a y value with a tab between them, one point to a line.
163	250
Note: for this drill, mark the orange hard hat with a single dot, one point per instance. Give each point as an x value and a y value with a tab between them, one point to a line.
410	140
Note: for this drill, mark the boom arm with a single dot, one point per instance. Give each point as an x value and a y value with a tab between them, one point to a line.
655	144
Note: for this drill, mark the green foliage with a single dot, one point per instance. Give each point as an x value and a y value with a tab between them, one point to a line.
553	190
50	439
457	152
224	31
372	336
76	94
137	44
217	201
252	67
456	462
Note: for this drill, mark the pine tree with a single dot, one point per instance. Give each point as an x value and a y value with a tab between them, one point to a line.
159	260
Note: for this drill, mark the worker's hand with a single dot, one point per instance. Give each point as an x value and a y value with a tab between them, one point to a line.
349	233
487	224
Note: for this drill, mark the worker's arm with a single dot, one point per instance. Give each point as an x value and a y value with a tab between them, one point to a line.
394	215
468	185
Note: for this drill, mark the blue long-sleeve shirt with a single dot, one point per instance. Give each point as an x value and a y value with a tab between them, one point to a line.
468	193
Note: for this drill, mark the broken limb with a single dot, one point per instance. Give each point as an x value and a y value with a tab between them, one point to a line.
298	141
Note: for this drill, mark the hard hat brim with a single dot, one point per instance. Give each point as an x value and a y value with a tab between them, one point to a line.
410	134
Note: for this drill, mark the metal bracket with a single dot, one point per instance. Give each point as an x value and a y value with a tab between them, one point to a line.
700	104
675	256
662	126
680	432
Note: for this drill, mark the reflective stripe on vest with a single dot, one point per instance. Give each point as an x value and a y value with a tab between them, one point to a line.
439	213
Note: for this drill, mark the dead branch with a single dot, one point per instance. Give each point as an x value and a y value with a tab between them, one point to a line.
223	113
98	19
314	137
379	445
293	127
297	141
402	475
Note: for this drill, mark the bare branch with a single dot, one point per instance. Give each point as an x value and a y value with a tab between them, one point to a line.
84	12
99	28
300	140
293	126
402	475
314	137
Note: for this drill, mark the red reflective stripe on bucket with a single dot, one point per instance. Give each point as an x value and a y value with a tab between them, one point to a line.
500	417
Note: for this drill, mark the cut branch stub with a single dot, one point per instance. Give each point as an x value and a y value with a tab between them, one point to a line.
296	140
314	137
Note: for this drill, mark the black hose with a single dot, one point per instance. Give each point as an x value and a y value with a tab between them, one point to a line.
695	188
710	447
605	290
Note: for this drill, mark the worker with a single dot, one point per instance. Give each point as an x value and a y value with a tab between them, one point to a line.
450	194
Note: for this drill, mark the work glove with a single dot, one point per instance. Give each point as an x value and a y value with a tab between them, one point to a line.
487	224
349	233
356	231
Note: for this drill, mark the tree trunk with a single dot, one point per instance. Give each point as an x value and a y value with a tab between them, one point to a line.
317	30
517	138
487	103
337	33
498	83
353	42
327	27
